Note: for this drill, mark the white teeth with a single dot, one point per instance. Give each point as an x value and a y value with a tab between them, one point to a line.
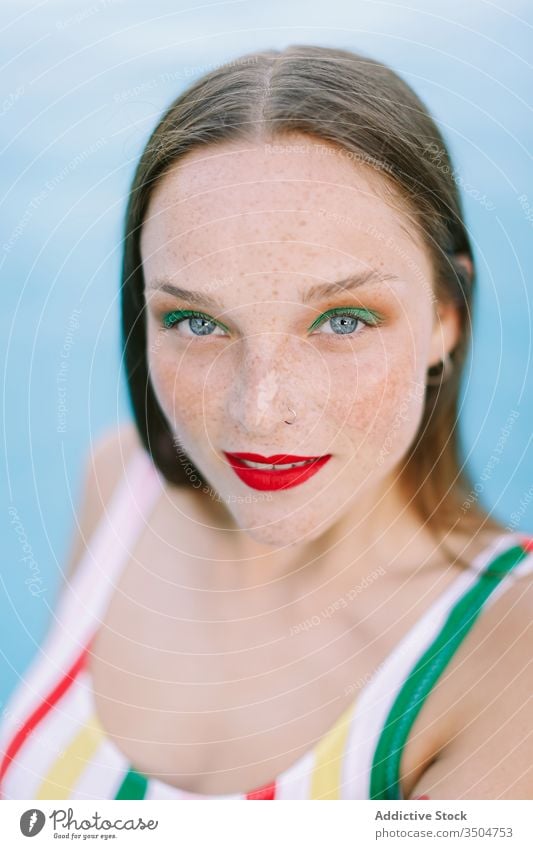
271	467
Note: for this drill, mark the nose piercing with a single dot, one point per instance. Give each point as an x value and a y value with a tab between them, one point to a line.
294	414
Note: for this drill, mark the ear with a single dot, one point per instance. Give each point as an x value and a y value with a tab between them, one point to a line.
445	334
447	322
465	261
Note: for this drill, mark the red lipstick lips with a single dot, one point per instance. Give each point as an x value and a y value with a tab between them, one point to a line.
274	458
274	479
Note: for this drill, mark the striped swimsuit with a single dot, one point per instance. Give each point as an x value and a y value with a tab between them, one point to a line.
52	745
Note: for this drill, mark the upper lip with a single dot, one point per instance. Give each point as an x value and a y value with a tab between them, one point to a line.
274	458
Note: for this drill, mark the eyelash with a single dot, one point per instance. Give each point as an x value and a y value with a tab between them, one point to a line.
369	318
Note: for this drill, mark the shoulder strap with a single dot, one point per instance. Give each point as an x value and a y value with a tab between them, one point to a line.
111	543
84	598
514	557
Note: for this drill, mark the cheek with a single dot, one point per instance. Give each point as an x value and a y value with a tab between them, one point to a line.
173	382
378	405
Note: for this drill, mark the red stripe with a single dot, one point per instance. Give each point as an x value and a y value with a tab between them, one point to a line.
41	711
527	544
268	791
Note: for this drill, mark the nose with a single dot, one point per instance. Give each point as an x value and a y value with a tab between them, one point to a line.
264	388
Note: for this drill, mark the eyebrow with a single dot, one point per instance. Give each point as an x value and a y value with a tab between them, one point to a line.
317	292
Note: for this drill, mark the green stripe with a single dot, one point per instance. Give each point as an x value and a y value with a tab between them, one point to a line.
385	774
133	787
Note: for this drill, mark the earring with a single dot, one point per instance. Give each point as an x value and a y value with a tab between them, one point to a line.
443	375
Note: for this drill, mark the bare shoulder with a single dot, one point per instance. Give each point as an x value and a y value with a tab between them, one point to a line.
489	754
110	453
102	469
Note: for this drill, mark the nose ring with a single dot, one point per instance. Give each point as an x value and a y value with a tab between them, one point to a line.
294	414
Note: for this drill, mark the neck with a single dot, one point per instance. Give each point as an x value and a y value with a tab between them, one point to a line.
376	531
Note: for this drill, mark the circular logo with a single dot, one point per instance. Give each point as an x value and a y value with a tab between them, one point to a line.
32	822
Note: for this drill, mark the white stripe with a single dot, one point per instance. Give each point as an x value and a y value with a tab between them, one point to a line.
295	782
45	744
378	696
84	599
161	790
525	567
105	772
103	775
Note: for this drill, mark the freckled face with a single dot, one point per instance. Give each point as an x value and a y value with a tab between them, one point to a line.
252	228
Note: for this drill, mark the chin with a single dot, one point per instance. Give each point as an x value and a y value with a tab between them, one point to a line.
287	530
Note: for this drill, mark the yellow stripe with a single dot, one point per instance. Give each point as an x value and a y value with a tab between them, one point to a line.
326	779
68	767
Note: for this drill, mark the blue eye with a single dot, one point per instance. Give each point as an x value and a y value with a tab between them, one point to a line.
199	323
345	320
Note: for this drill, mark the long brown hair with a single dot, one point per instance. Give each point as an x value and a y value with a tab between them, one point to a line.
368	111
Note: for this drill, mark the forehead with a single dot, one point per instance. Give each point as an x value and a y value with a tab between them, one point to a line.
280	202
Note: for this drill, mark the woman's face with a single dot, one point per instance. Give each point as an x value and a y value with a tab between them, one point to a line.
255	231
